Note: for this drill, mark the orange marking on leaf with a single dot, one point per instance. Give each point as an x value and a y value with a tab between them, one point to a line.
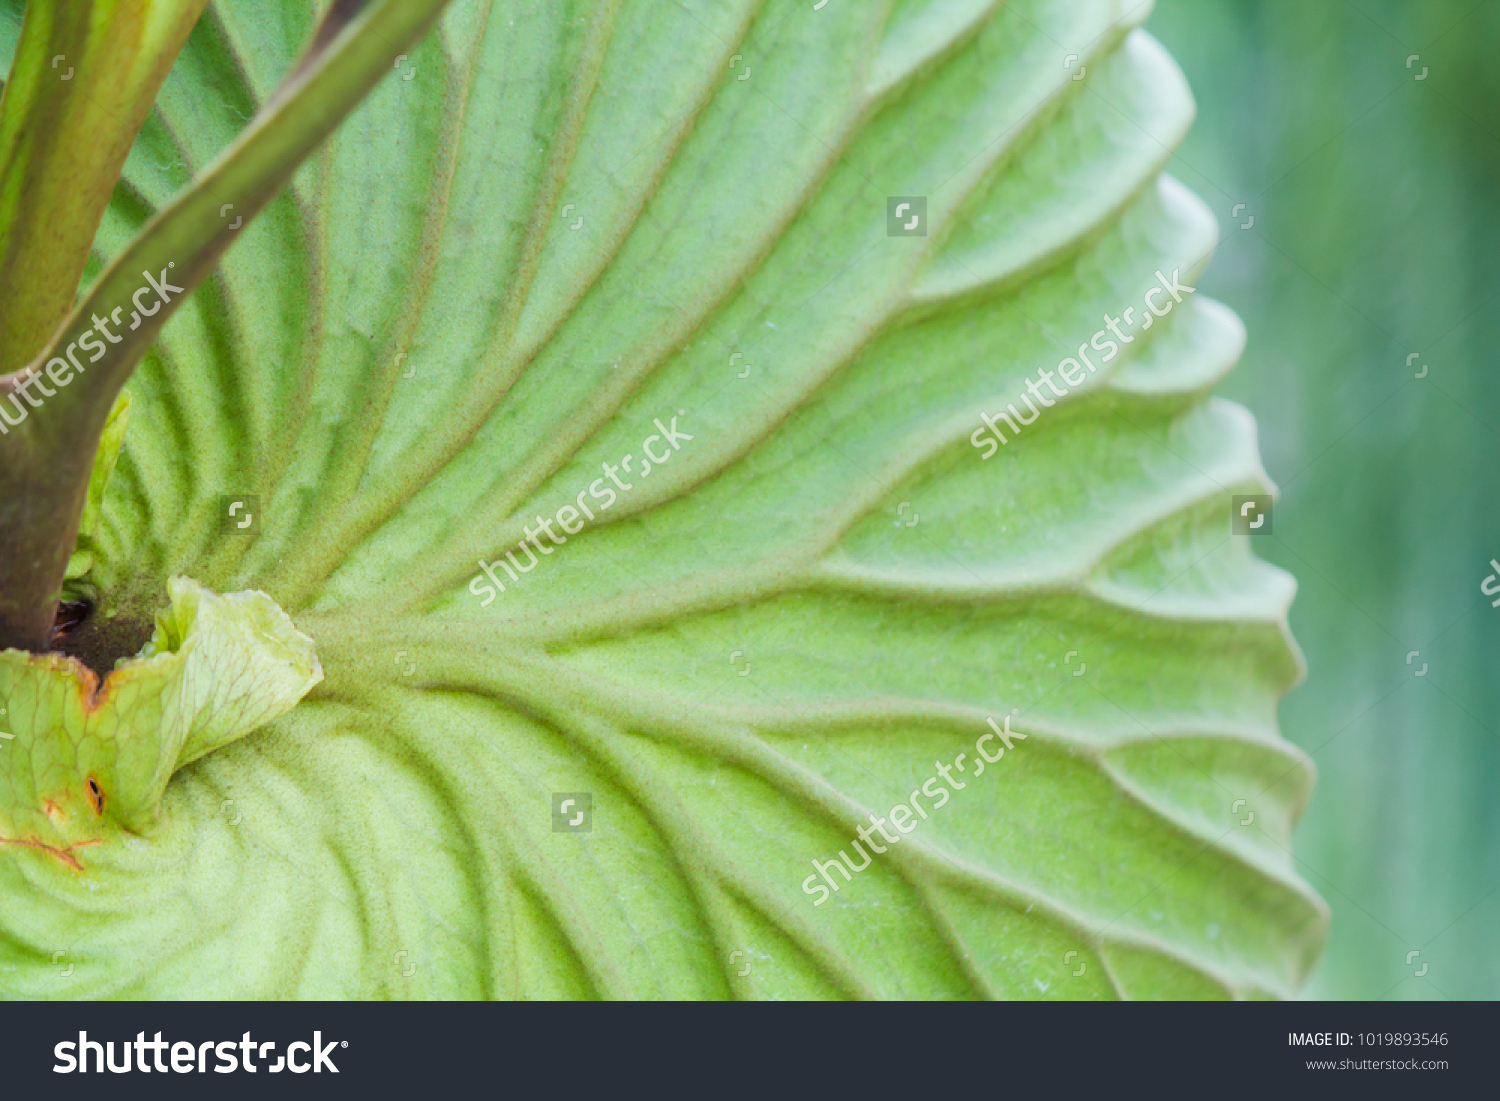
65	855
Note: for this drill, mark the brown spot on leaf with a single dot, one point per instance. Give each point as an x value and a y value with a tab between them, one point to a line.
96	796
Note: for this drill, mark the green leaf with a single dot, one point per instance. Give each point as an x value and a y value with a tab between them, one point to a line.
86	763
105	459
576	227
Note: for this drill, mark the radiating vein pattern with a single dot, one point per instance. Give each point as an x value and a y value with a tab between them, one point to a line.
559	229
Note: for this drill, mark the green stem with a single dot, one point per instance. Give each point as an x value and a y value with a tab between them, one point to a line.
85	74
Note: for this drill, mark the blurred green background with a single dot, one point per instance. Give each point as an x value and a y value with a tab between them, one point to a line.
1375	197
